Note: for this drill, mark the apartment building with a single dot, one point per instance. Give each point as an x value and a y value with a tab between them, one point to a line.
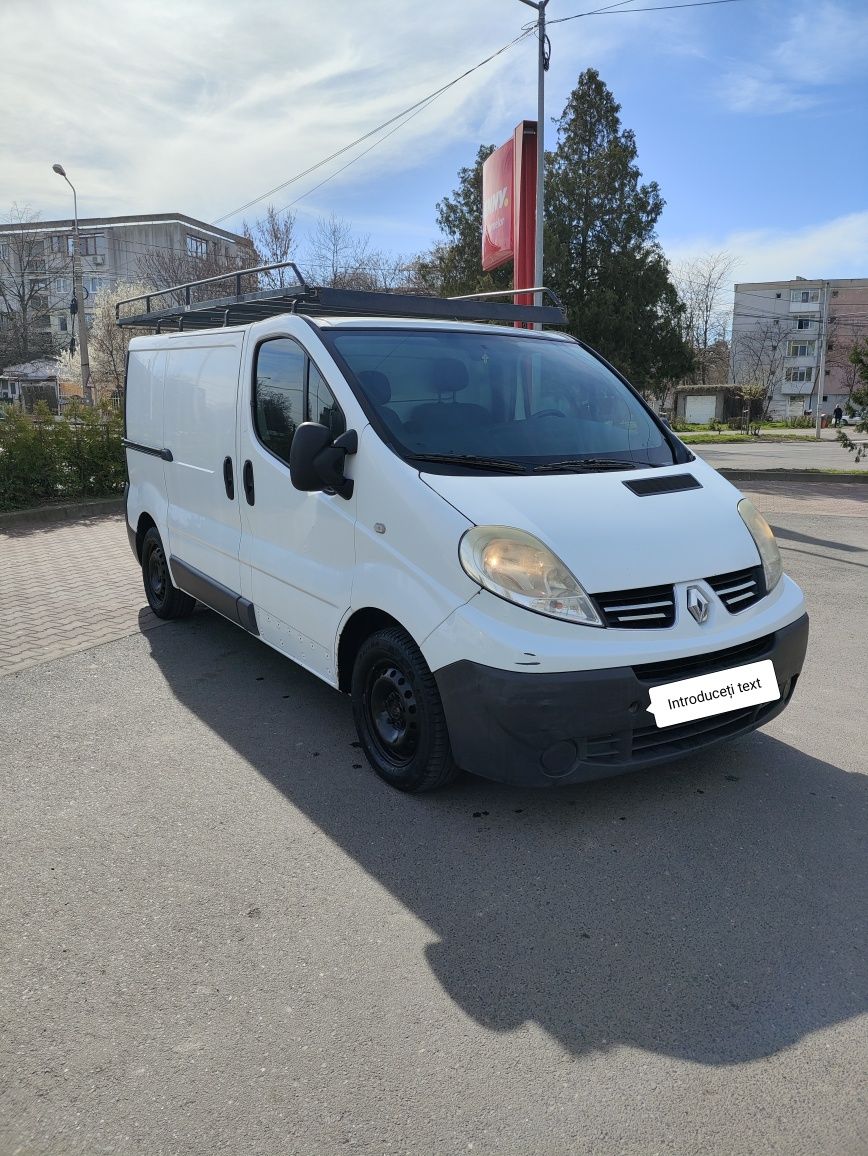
785	332
114	249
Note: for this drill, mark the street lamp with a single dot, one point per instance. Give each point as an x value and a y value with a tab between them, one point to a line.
78	291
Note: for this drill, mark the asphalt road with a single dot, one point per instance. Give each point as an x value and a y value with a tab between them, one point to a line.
220	933
790	455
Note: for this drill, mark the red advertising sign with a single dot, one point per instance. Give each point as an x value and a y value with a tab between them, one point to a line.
524	230
497	207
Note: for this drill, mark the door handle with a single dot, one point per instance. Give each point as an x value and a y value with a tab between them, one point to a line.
247	476
228	478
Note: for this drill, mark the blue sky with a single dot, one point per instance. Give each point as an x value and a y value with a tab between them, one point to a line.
750	115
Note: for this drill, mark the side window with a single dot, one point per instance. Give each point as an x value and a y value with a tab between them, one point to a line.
278	399
322	406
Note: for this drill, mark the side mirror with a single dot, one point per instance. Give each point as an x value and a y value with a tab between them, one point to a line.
316	463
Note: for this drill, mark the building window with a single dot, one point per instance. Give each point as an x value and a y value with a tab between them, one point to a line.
58	244
798	373
806	323
805	296
62	323
801	349
90	244
196	246
4	251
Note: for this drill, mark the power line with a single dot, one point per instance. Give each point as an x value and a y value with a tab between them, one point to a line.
412	109
618	10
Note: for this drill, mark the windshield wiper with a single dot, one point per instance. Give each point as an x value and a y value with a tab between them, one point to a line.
503	465
589	465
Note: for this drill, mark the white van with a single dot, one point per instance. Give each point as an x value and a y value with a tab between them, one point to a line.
481	533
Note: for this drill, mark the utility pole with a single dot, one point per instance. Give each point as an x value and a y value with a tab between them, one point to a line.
78	292
821	368
542	68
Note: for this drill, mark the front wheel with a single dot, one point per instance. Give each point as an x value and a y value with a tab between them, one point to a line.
165	599
399	715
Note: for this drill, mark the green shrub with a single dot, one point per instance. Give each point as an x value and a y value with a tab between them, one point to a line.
43	459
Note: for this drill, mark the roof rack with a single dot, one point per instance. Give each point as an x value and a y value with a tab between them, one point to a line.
182	306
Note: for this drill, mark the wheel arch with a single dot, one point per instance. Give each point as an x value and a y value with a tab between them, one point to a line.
145	523
361	625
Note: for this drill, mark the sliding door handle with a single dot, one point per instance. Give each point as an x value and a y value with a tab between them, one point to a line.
229	479
247	476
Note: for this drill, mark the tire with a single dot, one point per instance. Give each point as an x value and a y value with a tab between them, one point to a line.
398	714
165	599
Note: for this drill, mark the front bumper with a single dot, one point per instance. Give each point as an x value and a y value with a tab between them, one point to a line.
539	729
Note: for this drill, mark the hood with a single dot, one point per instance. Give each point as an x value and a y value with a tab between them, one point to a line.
610	538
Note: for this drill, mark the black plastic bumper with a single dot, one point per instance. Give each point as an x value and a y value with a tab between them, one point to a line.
546	729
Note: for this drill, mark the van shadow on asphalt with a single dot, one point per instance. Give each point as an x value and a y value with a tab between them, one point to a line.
712	910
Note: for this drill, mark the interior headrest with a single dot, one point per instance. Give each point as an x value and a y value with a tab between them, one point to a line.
376	386
448	375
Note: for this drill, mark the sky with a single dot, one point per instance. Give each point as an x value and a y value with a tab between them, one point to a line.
750	115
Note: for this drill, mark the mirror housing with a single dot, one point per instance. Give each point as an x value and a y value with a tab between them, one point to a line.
317	463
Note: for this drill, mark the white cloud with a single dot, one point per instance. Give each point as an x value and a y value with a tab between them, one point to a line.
198	106
817	45
835	248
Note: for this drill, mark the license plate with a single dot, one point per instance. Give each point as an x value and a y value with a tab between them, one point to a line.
709	694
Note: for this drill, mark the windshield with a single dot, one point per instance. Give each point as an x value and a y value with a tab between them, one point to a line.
498	397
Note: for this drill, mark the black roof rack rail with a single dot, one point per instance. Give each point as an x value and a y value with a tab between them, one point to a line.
249	302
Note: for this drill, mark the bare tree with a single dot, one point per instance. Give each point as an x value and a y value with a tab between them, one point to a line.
759	356
273	239
165	268
24	290
337	257
702	284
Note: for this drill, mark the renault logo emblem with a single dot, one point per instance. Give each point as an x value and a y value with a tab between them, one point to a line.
697	604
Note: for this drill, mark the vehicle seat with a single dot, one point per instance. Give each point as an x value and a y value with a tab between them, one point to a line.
447	375
378	391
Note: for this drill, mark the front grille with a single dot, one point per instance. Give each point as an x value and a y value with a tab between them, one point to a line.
674	669
739	589
647	743
652	606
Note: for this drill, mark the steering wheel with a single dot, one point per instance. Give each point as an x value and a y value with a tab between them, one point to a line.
548	413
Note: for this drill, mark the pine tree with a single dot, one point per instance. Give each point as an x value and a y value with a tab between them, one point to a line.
602	253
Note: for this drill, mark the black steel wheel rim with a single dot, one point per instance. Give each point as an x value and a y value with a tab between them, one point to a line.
158	574
393	714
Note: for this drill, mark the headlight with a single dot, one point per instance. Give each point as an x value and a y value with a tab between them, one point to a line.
516	566
761	532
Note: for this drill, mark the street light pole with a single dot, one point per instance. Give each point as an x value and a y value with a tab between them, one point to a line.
78	291
542	58
821	368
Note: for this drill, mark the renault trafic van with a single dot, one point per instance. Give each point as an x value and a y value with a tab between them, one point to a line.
480	533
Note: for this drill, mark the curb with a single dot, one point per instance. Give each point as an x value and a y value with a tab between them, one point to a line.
94	508
785	475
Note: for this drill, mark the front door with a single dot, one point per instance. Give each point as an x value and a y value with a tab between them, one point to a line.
297	549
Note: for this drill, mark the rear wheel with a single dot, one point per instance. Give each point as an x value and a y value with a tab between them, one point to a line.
399	715
165	599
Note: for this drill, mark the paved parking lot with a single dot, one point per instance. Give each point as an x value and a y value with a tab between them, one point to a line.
219	932
65	587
